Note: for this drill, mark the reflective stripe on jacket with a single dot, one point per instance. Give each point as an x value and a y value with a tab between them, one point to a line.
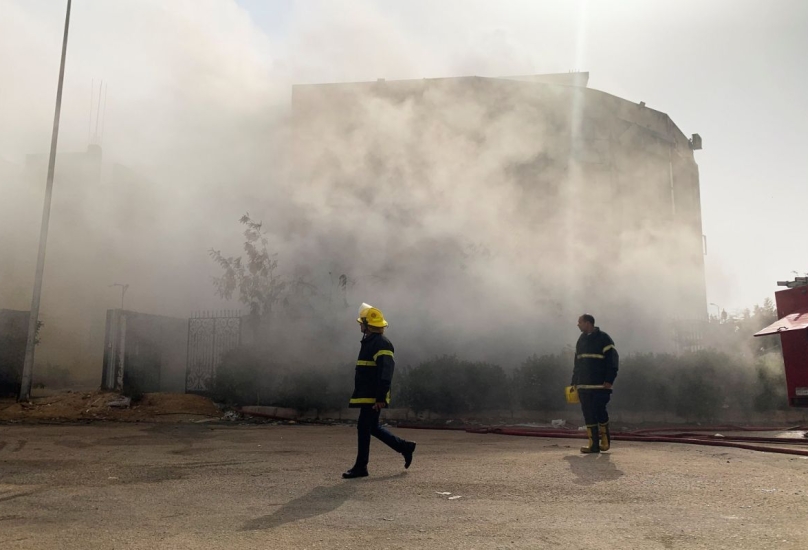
374	371
596	359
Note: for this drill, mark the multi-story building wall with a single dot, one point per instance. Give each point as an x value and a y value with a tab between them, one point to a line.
590	198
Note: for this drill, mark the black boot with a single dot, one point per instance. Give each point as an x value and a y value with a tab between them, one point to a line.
410	448
355	472
594	440
605	437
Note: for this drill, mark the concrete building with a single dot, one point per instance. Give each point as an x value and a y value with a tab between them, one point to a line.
99	211
602	192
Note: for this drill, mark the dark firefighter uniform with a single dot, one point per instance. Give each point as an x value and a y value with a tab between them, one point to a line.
596	362
374	374
374	371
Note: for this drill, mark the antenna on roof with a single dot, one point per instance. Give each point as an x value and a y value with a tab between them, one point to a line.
90	113
104	112
94	137
98	111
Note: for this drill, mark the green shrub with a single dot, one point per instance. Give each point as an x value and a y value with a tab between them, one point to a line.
244	376
771	393
645	383
538	384
703	386
449	385
700	384
316	388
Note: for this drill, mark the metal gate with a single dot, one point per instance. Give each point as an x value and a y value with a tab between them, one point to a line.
210	334
688	335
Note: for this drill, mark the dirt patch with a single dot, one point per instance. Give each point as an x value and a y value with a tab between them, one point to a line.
78	406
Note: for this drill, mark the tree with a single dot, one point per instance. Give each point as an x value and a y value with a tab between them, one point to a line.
256	279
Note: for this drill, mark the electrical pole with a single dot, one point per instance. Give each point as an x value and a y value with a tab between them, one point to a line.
33	320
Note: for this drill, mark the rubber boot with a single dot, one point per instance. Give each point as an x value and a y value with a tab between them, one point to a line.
410	448
605	437
594	440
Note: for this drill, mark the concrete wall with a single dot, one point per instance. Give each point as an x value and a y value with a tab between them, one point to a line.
13	337
146	352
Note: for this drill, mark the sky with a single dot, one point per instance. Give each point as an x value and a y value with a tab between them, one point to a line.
732	71
198	91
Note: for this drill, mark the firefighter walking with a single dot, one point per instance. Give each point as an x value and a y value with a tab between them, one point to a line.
374	374
596	363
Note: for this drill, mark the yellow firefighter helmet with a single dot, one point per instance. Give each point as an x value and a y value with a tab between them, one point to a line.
372	316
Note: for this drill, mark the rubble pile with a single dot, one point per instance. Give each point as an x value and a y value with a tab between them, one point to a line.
73	406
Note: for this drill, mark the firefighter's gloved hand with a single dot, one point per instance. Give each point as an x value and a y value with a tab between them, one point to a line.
379	405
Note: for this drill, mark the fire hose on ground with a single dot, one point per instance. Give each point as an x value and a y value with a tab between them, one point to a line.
688	435
651	435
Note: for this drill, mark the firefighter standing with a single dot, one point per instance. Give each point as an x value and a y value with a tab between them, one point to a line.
596	362
374	373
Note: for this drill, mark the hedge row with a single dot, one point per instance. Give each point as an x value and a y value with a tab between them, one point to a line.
698	386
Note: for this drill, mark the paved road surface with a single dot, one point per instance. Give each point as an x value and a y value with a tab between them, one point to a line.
194	486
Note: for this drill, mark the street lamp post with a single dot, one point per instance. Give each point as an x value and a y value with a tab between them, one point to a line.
28	365
717	310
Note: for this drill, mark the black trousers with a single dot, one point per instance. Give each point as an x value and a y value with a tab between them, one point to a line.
368	425
593	405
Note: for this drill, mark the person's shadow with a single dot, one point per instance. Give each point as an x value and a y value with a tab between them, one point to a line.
593	468
319	500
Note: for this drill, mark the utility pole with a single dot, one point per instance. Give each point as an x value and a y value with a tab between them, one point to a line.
28	366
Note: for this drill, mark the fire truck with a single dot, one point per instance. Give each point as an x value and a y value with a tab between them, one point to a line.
792	326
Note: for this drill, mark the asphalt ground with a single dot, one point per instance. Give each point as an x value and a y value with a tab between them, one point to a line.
193	486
